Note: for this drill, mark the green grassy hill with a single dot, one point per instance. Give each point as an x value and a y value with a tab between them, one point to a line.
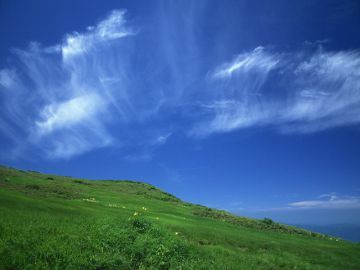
53	222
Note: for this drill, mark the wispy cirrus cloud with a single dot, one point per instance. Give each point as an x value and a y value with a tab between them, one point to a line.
92	89
57	99
328	201
256	61
299	92
112	28
327	93
331	201
237	101
7	78
104	87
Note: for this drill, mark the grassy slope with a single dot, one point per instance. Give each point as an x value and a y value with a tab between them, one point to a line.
57	222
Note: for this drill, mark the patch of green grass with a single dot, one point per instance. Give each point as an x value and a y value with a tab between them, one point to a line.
92	244
265	224
54	222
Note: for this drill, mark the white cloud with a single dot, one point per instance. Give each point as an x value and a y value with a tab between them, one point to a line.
294	92
75	111
7	78
113	27
332	201
63	105
97	88
161	139
256	61
73	143
86	92
331	84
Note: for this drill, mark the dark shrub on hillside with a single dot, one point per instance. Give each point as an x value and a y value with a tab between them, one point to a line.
140	225
81	182
7	180
268	221
33	186
142	245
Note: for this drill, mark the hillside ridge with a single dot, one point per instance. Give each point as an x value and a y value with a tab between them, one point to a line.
51	221
150	191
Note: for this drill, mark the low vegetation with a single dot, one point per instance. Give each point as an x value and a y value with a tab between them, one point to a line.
53	222
265	224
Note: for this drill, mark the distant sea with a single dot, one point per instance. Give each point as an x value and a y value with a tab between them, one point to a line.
349	232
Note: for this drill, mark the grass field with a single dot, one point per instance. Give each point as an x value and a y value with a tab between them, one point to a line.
53	222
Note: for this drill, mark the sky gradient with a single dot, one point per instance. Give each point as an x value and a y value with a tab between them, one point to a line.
249	107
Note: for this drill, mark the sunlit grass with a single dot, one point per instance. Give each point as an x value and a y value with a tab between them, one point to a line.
51	222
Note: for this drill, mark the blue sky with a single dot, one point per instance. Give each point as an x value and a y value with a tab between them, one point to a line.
249	107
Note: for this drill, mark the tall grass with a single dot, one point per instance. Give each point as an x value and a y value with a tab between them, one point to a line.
52	222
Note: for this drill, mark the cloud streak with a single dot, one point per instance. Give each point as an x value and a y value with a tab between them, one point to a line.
112	28
328	201
257	61
104	87
62	100
331	201
294	92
